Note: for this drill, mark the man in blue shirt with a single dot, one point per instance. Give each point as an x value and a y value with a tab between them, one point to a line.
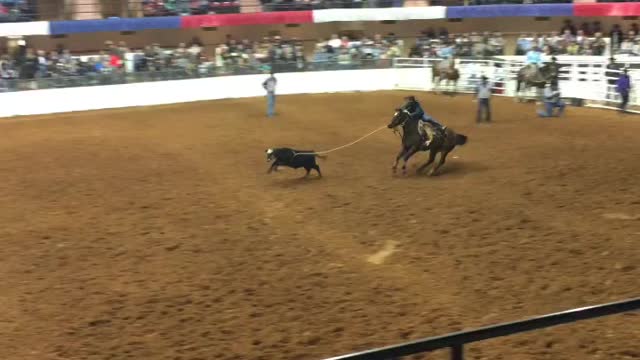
623	86
534	57
524	44
446	52
415	109
552	101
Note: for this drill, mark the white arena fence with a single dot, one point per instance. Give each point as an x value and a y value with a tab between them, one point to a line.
580	77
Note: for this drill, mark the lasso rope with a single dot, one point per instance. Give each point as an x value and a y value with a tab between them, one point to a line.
343	146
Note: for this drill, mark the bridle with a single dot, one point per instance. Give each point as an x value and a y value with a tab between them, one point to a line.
408	116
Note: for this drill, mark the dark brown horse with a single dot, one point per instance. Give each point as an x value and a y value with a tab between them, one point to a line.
413	141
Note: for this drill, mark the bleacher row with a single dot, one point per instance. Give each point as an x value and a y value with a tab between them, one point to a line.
317	16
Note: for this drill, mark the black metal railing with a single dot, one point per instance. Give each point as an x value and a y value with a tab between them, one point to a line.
456	341
193	71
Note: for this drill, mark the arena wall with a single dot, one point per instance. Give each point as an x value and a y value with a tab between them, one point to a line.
179	91
579	78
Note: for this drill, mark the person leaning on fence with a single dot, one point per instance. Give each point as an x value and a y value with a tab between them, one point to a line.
483	94
270	86
623	86
612	74
552	101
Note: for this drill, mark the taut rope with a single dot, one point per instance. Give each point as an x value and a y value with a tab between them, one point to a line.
343	146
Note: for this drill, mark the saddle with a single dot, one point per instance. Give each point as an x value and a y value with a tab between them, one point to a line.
428	132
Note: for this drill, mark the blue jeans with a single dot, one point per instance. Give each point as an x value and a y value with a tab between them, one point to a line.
271	103
548	109
426	118
624	95
484	108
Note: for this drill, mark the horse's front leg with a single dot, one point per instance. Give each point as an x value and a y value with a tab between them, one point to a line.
407	156
395	164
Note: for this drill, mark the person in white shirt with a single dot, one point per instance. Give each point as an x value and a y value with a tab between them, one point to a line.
335	41
552	101
270	86
483	94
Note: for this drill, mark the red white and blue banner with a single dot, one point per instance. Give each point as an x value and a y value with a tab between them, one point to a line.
320	16
399	13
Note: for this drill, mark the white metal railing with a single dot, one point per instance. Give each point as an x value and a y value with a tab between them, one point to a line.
579	77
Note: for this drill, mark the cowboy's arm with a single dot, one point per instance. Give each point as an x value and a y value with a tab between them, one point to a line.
419	112
408	106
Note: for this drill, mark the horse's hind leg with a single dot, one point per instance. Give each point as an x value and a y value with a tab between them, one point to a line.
443	157
432	157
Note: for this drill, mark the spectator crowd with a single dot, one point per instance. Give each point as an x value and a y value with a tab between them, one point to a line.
189	7
116	61
434	44
587	39
17	10
347	51
570	40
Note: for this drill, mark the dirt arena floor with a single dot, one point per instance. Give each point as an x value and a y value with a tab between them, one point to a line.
156	233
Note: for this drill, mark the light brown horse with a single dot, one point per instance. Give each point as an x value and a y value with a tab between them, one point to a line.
530	77
442	71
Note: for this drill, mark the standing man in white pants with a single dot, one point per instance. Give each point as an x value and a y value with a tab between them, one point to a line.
270	86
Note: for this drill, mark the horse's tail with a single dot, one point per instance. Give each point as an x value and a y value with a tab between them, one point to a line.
461	139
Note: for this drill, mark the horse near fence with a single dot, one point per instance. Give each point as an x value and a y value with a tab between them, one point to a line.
445	70
585	78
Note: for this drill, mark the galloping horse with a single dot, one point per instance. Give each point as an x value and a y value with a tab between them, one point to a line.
529	77
413	141
445	70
